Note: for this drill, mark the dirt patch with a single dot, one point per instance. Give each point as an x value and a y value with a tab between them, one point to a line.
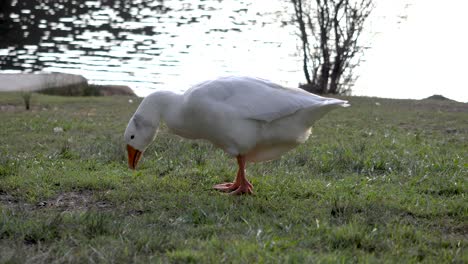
68	201
74	201
9	201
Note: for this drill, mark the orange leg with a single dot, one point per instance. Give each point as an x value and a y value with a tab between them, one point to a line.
241	185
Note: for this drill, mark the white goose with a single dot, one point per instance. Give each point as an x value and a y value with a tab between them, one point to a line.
249	118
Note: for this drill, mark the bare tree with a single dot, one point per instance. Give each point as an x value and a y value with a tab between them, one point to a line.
330	32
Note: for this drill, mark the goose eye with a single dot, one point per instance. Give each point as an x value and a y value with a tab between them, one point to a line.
132	136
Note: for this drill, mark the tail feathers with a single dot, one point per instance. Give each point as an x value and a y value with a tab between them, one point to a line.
328	105
345	104
333	101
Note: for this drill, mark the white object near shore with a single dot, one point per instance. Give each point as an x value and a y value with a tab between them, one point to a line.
10	82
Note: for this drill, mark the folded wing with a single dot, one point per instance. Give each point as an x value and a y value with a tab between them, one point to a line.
265	101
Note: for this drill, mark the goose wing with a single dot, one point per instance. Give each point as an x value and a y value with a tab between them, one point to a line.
260	99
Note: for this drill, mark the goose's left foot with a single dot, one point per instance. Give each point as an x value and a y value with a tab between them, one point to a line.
234	188
241	185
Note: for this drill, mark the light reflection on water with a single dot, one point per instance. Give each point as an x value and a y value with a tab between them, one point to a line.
152	44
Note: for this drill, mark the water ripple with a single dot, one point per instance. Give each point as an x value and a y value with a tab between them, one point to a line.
151	44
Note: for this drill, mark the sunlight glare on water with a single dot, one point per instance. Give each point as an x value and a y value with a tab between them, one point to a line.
158	44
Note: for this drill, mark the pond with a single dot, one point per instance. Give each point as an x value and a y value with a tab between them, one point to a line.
151	44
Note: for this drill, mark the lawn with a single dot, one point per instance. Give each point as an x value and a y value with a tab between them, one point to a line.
383	181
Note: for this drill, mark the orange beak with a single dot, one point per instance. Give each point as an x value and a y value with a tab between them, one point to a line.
133	157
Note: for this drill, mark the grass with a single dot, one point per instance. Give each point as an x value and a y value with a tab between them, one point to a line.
384	181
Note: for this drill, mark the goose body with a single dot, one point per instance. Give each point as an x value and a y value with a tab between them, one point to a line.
249	118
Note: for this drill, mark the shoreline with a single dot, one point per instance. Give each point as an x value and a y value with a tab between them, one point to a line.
59	84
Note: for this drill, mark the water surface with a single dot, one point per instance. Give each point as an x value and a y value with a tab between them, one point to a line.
151	44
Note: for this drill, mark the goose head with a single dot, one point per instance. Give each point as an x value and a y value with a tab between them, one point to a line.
139	134
143	126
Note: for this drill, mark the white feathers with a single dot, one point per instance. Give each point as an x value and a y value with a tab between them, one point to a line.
259	99
242	115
